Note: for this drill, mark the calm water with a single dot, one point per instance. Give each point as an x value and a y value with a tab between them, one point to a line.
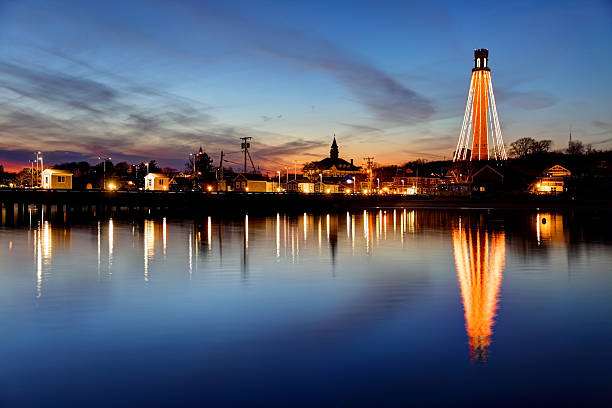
377	308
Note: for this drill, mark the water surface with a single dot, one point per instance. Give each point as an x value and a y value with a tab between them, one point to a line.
374	308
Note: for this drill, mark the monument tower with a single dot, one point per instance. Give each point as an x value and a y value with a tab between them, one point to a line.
480	128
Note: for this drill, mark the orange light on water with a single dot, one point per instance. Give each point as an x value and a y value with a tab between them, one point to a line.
479	258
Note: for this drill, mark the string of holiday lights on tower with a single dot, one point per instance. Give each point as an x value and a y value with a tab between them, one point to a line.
480	128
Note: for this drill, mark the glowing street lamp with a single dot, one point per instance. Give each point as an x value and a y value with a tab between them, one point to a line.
321	182
104	159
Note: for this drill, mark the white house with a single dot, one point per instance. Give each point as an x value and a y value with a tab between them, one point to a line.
157	182
54	178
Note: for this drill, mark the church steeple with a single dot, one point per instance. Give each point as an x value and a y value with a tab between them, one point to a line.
333	152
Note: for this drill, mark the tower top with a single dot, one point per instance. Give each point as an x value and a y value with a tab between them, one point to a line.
333	152
481	60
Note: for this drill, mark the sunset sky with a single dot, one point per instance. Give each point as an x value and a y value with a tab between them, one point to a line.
155	80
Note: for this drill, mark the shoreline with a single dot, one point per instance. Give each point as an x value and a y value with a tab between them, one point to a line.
212	203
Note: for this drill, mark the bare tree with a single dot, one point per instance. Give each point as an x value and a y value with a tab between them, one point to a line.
522	147
541	146
575	147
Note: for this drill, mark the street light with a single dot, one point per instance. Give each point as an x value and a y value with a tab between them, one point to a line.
279	174
321	185
194	163
377	183
39	158
402	185
104	159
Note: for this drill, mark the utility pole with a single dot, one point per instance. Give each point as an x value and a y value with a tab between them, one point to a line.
221	166
287	172
245	148
369	160
295	169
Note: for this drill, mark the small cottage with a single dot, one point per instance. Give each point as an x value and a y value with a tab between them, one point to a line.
254	183
157	182
56	179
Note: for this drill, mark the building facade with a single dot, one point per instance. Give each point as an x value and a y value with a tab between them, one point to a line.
552	181
157	182
332	166
56	179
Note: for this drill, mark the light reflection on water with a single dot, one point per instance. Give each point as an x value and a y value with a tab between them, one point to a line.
417	293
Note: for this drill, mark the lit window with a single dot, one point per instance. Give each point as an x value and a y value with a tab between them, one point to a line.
485	62
478	63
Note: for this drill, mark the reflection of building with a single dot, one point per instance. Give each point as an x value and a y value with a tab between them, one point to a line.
549	227
46	241
552	181
479	257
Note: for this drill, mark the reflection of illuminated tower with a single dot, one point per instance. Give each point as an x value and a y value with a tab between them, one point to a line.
479	257
480	121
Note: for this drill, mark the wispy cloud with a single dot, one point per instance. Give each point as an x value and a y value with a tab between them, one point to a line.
59	88
361	128
72	117
528	100
387	99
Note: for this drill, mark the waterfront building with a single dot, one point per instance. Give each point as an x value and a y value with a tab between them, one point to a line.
415	185
255	183
552	181
327	188
157	182
301	185
56	179
332	166
487	179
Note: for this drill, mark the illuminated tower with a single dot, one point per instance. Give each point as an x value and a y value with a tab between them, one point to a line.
480	128
479	257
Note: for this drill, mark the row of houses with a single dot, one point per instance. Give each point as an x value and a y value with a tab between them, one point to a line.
334	175
487	179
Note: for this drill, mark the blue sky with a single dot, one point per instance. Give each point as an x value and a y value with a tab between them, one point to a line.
155	80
